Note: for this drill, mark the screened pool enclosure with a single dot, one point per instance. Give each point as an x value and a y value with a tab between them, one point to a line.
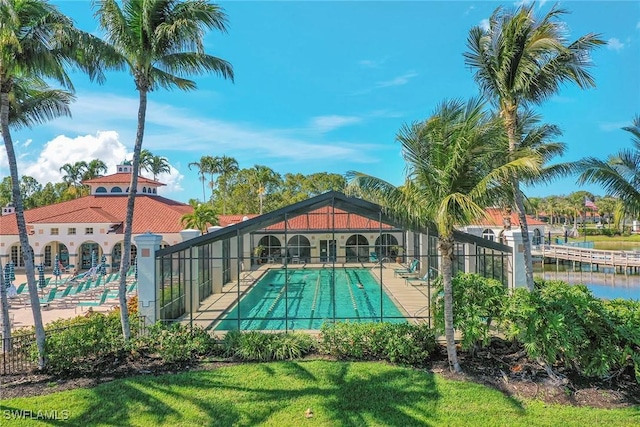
329	258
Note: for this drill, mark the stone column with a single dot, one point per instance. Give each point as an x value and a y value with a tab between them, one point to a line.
148	292
518	277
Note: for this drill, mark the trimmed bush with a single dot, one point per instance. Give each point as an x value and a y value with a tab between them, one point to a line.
178	343
264	347
477	302
396	342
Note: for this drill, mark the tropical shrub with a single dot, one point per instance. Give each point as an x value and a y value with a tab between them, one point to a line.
564	324
178	343
84	344
477	302
264	347
396	342
625	315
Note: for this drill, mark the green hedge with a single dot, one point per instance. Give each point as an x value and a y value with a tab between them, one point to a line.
396	342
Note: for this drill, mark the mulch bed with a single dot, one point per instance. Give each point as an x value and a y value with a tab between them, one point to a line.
501	366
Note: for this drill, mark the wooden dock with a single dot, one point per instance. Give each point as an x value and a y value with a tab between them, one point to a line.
622	261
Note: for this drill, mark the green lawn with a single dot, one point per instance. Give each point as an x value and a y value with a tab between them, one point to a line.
278	394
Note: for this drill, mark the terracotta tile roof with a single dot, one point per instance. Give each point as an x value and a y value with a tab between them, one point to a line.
121	178
152	213
225	220
495	219
319	219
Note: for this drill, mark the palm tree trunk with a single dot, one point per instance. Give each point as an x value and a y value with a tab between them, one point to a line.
511	125
126	249
22	226
526	242
6	328
446	250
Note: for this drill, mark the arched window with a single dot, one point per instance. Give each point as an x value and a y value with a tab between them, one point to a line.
488	234
271	248
116	190
385	245
357	248
299	249
101	190
144	189
154	191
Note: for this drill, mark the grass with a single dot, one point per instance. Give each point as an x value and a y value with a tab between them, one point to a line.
278	394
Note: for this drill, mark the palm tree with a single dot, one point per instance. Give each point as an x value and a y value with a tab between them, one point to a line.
202	170
74	175
451	177
161	41
521	60
262	177
158	165
619	175
36	41
225	167
201	218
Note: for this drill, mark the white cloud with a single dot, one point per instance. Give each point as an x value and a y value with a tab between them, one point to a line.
611	126
371	63
397	81
329	123
62	149
176	129
484	24
173	181
27	142
105	146
615	44
469	9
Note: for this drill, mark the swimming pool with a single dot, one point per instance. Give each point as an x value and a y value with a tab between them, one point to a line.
311	297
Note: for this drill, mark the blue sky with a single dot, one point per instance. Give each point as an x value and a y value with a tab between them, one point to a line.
325	86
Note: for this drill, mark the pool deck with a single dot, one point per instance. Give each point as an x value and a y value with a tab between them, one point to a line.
410	298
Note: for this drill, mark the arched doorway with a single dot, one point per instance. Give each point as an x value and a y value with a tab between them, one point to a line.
56	248
299	249
357	248
116	255
385	246
86	249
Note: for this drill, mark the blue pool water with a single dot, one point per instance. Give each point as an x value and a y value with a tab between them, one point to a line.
311	297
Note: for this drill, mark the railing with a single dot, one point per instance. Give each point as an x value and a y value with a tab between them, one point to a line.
592	256
18	353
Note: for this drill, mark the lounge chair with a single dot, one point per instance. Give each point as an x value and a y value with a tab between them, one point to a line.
417	281
406	271
46	301
96	303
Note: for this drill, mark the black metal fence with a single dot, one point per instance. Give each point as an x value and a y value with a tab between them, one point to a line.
19	354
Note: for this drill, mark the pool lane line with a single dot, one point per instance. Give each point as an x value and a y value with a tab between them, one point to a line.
315	299
353	298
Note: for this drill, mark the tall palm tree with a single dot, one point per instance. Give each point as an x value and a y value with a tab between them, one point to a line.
209	165
202	170
451	177
73	175
619	175
158	165
161	42
225	167
95	168
36	42
262	177
521	60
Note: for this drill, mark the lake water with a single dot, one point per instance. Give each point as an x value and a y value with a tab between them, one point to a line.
603	283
